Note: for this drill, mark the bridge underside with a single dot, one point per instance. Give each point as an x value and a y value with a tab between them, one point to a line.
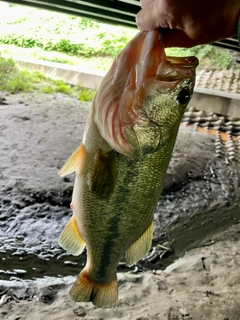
121	12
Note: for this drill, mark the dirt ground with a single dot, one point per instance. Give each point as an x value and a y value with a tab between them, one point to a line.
37	134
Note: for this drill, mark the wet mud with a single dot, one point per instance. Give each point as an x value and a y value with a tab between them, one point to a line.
38	133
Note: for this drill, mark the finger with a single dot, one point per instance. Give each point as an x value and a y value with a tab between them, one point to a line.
177	38
151	16
145	3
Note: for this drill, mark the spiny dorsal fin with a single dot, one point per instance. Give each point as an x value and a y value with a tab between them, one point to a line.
139	248
103	178
70	238
74	162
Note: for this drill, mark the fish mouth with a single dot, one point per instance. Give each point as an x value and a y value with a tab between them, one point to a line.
157	64
185	62
176	68
141	65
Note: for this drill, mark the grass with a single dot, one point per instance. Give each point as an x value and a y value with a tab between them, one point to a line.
57	32
96	62
70	40
58	37
13	80
208	55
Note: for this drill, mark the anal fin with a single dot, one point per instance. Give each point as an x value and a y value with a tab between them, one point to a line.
70	238
139	248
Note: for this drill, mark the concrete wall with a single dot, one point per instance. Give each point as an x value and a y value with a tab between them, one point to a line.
220	105
70	74
203	99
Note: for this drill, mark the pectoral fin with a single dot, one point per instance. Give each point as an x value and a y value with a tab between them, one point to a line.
70	238
103	178
74	163
139	248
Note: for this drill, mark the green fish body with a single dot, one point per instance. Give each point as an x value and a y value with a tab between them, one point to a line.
122	161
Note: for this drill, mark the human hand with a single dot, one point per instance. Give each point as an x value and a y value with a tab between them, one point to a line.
189	23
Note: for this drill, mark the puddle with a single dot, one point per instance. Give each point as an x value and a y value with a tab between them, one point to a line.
187	216
200	198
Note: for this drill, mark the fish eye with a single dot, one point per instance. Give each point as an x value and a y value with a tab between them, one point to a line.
184	96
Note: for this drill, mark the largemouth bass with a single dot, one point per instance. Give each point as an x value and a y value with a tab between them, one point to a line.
121	163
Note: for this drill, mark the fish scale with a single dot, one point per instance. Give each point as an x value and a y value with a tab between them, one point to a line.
121	163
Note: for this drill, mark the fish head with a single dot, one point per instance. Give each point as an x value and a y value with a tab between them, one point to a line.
163	100
143	96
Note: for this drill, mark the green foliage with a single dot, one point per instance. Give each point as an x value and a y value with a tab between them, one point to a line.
199	51
14	80
62	38
86	23
6	66
53	31
85	94
19	81
102	63
208	55
221	58
62	87
47	88
101	46
113	44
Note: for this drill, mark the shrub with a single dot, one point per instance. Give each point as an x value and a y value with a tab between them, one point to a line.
80	37
13	80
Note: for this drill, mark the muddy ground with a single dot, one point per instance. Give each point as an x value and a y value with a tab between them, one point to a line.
197	232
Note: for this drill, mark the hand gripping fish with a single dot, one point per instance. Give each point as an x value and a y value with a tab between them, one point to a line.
121	163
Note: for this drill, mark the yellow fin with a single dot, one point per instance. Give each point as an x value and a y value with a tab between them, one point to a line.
102	295
104	173
139	248
74	162
70	238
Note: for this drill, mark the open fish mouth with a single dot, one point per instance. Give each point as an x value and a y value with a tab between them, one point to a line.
176	68
190	62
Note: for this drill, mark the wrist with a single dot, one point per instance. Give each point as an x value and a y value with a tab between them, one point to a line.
231	12
238	32
236	13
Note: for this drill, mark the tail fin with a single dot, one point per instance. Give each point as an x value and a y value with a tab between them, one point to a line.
102	295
